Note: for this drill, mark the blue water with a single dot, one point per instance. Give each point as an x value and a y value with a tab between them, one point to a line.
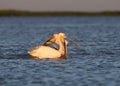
95	63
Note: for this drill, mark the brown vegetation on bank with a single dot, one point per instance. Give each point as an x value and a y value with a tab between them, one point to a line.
57	13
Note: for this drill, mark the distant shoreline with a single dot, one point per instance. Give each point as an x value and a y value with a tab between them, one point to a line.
8	13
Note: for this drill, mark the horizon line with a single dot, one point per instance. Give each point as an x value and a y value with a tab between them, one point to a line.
59	11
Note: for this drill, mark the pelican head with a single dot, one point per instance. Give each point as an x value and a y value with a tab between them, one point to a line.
62	37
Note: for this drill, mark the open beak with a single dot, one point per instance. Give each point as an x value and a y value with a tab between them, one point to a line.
65	49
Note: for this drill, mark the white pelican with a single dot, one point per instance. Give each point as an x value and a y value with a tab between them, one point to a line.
43	52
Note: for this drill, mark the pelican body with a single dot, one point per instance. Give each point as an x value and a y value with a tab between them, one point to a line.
44	51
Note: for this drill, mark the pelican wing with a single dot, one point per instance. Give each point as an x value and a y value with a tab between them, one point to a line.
50	41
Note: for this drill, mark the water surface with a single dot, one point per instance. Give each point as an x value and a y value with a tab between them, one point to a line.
95	63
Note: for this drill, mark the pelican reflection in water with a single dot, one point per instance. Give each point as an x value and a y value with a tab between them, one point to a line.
58	51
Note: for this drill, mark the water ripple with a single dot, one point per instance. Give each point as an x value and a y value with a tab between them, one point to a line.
95	63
